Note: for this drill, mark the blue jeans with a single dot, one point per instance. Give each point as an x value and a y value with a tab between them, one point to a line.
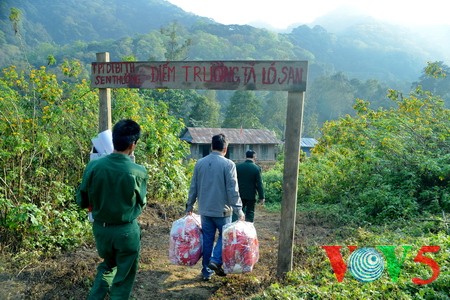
211	252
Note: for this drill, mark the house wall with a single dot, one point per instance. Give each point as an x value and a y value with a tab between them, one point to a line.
237	152
307	150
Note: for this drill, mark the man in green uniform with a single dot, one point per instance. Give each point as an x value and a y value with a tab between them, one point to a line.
115	188
250	182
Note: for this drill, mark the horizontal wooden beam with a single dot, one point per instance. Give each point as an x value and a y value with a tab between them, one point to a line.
202	75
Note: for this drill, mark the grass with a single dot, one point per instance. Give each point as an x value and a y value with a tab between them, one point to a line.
313	276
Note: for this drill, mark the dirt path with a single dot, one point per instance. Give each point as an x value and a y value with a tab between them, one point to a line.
157	277
66	277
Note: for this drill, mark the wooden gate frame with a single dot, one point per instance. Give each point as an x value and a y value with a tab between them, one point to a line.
287	76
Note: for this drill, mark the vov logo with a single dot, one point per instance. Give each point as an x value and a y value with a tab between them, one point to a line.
367	264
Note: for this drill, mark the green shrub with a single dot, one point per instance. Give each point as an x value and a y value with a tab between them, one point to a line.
46	127
273	186
383	165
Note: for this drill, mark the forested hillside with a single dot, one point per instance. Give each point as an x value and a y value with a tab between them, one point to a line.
379	174
364	50
63	22
361	60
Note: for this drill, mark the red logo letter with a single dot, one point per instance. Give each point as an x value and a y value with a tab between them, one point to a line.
336	260
428	261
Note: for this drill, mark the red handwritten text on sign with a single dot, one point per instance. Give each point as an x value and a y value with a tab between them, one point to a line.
219	75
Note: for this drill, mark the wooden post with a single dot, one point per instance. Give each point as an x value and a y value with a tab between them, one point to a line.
104	109
294	119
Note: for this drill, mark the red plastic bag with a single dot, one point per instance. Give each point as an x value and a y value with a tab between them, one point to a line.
185	246
240	247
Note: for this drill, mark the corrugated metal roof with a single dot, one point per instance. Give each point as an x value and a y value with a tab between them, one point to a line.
199	135
308	142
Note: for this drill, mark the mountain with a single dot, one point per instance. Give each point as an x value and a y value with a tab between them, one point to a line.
65	21
343	41
433	41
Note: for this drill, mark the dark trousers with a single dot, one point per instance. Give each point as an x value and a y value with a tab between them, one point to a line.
119	246
248	207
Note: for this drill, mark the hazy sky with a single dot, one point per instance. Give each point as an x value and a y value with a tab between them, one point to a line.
282	13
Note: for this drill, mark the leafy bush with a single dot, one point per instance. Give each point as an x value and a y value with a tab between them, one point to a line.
46	126
385	164
160	149
273	186
41	159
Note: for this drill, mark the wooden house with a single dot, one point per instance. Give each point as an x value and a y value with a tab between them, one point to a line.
262	141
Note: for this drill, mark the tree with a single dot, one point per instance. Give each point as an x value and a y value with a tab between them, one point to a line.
149	47
178	102
274	112
331	97
435	79
176	46
244	110
206	45
15	18
205	111
372	91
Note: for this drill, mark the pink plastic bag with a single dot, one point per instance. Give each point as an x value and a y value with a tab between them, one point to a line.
185	246
240	247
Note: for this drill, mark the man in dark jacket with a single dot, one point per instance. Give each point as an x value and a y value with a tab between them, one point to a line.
115	188
250	183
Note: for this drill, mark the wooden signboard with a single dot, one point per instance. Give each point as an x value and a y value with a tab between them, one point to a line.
202	75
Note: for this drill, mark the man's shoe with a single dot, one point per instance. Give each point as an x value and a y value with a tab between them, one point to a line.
206	278
217	269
